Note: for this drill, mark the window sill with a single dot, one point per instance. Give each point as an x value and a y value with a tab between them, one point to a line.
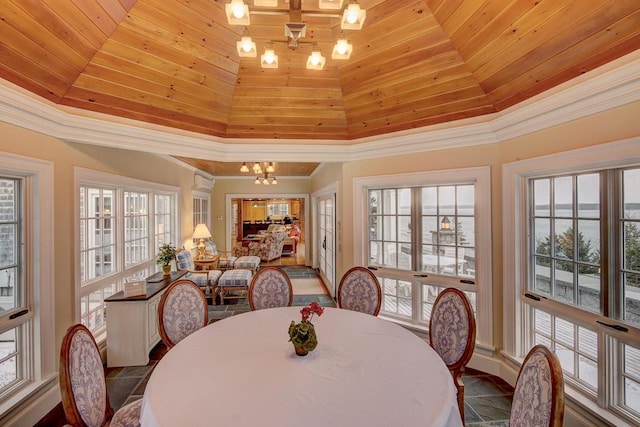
29	400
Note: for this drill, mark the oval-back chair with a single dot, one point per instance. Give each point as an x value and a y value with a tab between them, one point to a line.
359	290
452	334
181	312
269	288
538	398
83	386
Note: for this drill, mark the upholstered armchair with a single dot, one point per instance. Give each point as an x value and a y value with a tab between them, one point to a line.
226	259
206	279
270	248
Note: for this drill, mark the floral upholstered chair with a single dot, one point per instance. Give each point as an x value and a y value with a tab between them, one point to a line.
270	248
206	279
360	290
452	334
538	398
270	288
83	386
226	260
181	312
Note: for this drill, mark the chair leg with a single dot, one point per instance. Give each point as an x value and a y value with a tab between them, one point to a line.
457	380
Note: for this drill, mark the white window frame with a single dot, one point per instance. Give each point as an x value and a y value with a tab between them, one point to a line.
481	176
200	216
516	307
120	273
39	346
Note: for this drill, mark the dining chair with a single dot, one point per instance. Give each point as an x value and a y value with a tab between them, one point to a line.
538	398
181	312
83	386
269	288
359	290
452	334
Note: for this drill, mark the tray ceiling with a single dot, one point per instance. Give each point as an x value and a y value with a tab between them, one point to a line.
415	63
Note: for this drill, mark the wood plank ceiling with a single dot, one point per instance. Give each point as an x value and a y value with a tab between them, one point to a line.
415	63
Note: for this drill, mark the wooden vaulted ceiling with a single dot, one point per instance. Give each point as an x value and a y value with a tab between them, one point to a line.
415	63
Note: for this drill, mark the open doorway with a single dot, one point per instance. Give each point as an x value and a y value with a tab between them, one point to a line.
252	217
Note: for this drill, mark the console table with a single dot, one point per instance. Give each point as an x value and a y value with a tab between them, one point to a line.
132	323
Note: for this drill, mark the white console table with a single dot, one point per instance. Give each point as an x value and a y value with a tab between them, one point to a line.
132	324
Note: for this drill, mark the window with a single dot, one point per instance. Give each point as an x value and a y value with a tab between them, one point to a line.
422	233
278	209
201	214
577	254
27	346
121	224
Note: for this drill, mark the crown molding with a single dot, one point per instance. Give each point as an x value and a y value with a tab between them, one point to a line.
612	85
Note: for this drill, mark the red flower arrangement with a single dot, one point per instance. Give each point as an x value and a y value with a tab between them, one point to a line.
308	311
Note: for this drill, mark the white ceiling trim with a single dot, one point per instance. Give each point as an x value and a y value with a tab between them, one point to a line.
610	86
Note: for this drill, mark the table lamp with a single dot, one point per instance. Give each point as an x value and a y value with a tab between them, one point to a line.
201	232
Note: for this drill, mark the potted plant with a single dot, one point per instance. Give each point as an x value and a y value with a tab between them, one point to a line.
303	335
166	254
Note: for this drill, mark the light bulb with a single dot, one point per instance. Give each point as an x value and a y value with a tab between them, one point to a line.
237	8
342	47
245	42
269	56
352	13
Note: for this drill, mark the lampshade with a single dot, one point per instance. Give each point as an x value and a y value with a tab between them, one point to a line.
316	61
353	17
244	167
237	13
342	49
330	4
201	232
246	47
269	59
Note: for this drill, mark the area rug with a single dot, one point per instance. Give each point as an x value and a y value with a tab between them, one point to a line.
307	287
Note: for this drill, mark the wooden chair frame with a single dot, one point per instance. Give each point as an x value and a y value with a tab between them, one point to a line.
557	383
163	300
258	274
457	368
375	280
68	402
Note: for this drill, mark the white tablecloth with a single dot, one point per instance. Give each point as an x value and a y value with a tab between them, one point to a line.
242	371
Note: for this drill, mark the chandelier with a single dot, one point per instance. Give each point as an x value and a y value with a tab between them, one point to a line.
269	168
352	18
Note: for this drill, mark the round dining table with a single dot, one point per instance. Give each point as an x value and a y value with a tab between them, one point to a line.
242	371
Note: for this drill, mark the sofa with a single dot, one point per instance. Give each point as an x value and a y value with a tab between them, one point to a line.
269	248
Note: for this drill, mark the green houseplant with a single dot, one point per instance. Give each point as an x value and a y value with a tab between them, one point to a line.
166	254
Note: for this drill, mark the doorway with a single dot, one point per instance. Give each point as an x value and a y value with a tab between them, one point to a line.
326	238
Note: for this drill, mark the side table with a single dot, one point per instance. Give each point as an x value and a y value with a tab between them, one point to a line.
208	263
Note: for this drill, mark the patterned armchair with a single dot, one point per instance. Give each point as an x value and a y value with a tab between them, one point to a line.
360	290
269	288
452	334
270	248
206	279
181	312
226	260
83	386
538	398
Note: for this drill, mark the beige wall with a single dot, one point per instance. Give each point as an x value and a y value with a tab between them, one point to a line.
66	156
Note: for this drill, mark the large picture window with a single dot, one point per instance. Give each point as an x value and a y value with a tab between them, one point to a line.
27	345
576	265
121	224
422	235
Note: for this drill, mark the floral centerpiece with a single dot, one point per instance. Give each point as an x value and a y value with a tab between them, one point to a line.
166	254
303	335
